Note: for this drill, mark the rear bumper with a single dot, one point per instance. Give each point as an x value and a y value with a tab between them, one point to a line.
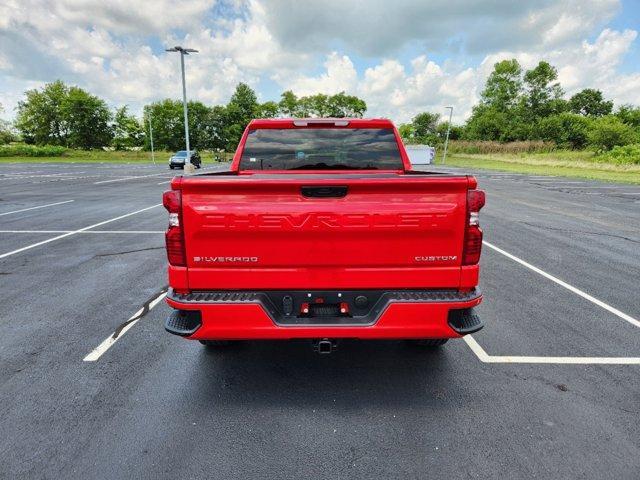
396	315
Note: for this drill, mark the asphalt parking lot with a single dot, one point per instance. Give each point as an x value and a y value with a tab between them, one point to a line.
549	389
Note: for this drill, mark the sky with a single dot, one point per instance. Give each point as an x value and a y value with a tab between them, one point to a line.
402	57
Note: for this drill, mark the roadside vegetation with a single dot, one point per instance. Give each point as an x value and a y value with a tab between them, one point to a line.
68	155
567	163
620	164
523	122
67	116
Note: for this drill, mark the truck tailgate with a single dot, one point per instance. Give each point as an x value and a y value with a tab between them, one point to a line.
305	231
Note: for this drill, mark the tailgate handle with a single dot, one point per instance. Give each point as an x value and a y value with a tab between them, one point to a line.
324	191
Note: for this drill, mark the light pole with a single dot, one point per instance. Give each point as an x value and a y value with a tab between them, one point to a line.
446	141
188	167
153	156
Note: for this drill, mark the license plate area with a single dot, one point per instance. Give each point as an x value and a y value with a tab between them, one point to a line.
324	310
324	307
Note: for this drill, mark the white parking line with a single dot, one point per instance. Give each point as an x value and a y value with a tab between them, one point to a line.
498	174
600	188
73	232
83	232
556	182
130	178
35	208
34	174
486	358
108	342
564	284
609	193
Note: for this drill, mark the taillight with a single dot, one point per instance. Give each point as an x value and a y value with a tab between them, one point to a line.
174	237
473	233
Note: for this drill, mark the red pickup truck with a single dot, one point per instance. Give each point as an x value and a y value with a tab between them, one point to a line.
321	230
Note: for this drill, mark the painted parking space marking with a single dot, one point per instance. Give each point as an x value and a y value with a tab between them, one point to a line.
484	357
35	208
610	193
588	187
557	182
564	284
134	177
108	342
74	232
93	232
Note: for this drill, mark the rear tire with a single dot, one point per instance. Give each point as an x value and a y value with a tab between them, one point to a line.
217	343
171	167
429	342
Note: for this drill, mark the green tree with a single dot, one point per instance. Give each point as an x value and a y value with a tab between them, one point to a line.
167	123
167	120
304	108
455	132
424	127
488	123
425	123
243	104
88	120
501	114
62	115
241	109
199	133
320	105
268	110
566	129
127	131
629	115
288	104
342	105
407	132
541	90
6	132
609	131
40	118
590	102
504	86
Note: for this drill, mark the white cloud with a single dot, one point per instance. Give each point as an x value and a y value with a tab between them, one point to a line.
392	91
112	48
378	27
340	76
585	64
138	17
101	46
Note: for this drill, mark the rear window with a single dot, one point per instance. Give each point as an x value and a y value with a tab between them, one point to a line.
321	149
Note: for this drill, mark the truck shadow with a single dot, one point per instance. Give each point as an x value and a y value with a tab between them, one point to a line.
357	375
